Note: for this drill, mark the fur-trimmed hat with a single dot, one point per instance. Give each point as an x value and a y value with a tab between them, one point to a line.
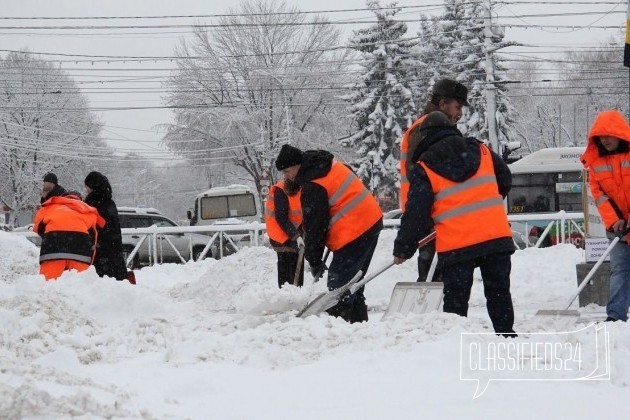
97	182
288	156
449	89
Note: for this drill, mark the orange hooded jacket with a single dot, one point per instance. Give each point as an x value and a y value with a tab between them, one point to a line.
65	225
609	173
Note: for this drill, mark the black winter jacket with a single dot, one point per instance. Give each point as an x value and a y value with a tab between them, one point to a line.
316	164
109	259
445	151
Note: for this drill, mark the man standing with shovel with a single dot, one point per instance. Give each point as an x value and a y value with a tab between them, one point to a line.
448	96
457	185
338	213
283	218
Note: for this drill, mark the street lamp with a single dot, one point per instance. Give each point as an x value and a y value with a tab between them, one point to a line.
372	155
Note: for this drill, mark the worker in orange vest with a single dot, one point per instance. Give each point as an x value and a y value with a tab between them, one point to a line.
68	229
448	96
283	218
338	213
607	158
457	188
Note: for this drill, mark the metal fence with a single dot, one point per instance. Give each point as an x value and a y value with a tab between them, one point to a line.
561	227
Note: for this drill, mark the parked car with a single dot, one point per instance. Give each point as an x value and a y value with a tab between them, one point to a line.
138	217
393	214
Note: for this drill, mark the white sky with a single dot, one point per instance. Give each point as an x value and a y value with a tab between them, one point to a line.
130	130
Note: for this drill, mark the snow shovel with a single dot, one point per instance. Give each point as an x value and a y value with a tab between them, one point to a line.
316	279
298	267
331	298
559	313
417	297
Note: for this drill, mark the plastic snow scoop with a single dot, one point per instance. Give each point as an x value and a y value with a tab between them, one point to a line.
561	313
331	298
298	267
417	297
316	278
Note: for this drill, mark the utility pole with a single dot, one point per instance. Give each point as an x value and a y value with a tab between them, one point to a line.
491	111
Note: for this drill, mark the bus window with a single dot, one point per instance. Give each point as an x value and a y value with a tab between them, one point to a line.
545	192
532	193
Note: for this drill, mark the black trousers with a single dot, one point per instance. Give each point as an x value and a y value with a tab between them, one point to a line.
345	264
495	271
287	265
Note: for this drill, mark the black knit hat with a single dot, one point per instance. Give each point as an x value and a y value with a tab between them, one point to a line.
50	177
288	156
449	89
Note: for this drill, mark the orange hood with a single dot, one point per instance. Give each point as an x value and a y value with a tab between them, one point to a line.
76	205
608	123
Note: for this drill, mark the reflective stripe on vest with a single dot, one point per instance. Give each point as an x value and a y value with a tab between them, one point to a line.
404	151
601	200
352	210
470	212
274	230
65	256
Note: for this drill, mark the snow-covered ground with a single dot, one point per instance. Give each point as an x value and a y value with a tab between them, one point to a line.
218	340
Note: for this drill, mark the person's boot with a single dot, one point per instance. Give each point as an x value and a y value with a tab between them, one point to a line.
341	310
359	310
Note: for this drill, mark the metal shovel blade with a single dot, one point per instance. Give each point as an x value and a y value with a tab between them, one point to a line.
327	300
415	298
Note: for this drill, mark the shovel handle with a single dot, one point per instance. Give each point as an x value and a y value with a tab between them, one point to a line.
362	282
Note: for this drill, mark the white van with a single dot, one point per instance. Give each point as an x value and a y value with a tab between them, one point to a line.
233	204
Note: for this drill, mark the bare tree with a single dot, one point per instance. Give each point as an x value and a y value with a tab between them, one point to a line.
262	79
44	126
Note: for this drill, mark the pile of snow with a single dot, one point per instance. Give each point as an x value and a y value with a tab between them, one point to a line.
217	339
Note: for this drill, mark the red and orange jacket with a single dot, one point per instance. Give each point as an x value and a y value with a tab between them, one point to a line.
609	172
282	221
68	229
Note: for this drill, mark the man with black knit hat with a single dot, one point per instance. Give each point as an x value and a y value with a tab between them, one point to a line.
448	96
283	217
338	213
50	188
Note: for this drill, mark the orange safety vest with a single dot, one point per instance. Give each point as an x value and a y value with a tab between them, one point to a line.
352	209
274	230
404	150
470	212
609	176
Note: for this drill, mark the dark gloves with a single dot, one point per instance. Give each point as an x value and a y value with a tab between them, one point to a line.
318	270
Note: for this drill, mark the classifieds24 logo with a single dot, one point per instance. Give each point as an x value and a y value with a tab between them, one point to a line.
578	355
